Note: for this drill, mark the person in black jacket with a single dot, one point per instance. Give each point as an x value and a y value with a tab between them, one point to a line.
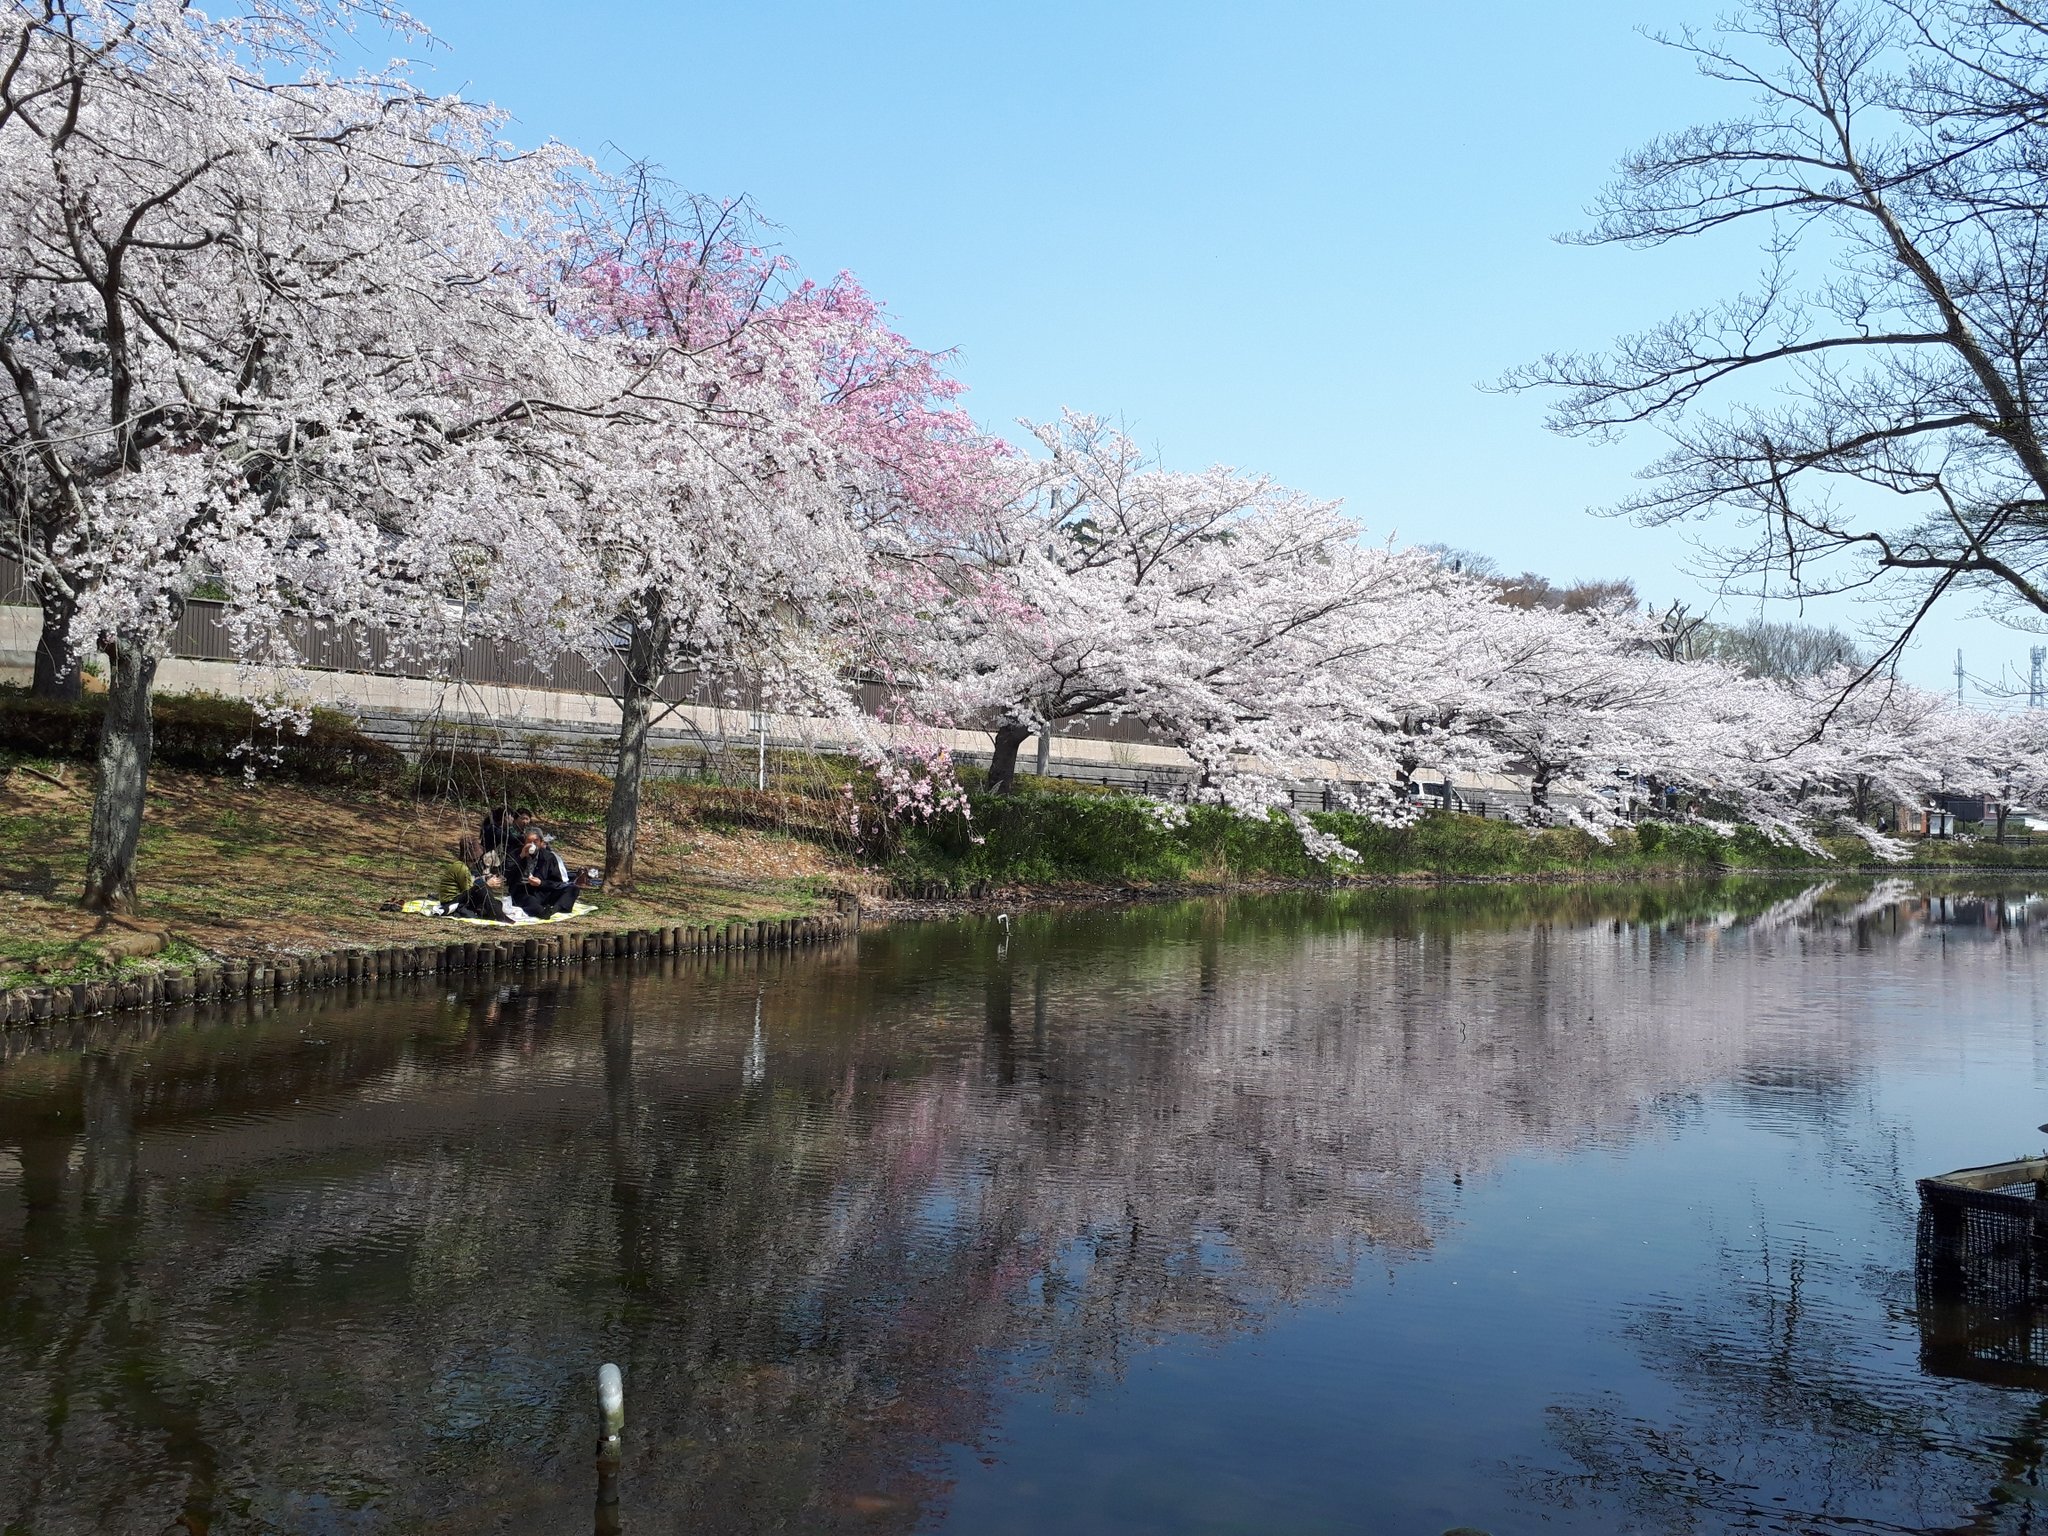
504	832
539	880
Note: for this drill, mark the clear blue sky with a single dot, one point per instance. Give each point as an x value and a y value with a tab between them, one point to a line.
1287	236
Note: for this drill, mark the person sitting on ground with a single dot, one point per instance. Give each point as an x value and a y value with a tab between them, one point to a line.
485	898
540	881
491	833
504	832
454	882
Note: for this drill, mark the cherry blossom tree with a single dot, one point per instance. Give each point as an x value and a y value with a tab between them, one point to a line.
2014	754
771	447
265	328
1226	612
1572	699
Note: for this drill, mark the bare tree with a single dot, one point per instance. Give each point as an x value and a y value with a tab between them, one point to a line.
1867	416
1469	562
1683	635
1781	648
1530	590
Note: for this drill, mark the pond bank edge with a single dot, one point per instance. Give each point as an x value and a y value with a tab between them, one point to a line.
23	1007
938	908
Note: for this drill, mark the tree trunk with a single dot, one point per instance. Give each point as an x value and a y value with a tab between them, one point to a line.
1405	765
1539	794
57	673
126	740
636	706
1002	768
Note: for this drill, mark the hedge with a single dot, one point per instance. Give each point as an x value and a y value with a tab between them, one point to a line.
467	776
208	734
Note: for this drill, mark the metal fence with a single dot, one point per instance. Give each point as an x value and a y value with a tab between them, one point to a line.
687	752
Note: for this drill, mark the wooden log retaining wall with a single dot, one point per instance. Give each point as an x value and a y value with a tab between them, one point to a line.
512	948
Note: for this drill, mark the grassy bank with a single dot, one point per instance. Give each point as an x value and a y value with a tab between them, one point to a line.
1053	838
238	870
299	858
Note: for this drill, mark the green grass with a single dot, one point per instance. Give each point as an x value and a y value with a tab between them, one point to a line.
230	869
1051	838
301	857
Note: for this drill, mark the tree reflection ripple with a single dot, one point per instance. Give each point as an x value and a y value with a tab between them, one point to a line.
1486	1205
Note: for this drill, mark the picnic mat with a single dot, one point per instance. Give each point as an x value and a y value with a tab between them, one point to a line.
425	908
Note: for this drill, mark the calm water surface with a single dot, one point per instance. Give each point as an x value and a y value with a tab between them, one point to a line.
1570	1210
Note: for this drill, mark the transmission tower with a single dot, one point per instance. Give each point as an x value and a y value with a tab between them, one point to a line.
2039	655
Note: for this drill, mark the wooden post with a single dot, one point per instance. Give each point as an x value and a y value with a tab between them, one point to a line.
611	1426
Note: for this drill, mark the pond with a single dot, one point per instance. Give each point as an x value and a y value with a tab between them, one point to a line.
1572	1208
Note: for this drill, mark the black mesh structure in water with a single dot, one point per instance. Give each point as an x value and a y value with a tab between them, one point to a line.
2006	1348
1984	1236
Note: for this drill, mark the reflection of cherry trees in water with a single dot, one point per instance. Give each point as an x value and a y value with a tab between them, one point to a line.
1790	1406
825	1212
1789	1416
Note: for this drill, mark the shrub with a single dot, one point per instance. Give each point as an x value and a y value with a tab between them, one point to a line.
819	817
1043	836
208	734
466	776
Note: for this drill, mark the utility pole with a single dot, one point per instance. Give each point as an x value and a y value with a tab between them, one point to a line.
2039	655
1959	674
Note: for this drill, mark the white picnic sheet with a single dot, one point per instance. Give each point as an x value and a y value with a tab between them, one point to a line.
426	908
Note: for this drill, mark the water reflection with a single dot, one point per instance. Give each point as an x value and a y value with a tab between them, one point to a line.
349	1264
